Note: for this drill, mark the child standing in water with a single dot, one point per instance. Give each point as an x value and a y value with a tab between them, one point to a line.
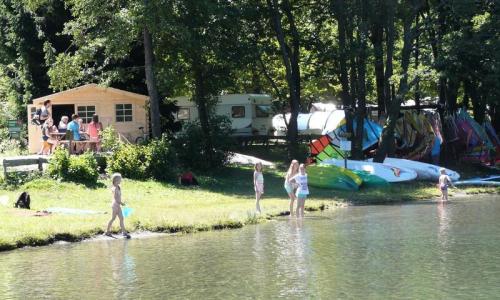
116	202
444	182
302	190
289	186
258	184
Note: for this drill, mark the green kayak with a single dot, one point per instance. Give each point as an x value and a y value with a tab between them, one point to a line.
370	180
332	177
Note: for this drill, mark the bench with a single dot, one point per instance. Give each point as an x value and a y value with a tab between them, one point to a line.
23	161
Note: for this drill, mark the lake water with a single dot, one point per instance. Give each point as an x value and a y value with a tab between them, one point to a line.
417	251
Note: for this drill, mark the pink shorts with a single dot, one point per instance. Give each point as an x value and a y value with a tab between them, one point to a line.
259	187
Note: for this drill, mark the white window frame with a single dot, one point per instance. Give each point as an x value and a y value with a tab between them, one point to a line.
86	114
128	113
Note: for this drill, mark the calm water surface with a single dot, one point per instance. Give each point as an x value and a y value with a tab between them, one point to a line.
423	251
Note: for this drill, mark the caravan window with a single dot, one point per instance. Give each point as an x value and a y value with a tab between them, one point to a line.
237	112
123	112
86	113
262	111
183	114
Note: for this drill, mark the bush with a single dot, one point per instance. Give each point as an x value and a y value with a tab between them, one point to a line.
82	168
190	145
162	159
132	161
155	160
109	139
15	179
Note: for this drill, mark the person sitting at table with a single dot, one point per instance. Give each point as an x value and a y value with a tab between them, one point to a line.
49	143
93	131
63	124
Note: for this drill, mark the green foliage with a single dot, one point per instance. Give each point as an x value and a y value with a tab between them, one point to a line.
109	139
154	160
190	147
83	168
9	146
76	168
16	179
163	159
132	161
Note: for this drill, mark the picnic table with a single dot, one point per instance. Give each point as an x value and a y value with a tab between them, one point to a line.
66	138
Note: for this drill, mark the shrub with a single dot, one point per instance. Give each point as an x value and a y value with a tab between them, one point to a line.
15	179
82	168
132	161
162	159
109	139
190	144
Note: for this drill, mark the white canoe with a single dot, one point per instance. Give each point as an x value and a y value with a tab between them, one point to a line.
424	171
389	173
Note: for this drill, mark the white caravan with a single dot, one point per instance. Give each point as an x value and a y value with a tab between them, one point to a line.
250	114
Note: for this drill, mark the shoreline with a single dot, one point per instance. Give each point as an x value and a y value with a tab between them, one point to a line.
159	231
98	235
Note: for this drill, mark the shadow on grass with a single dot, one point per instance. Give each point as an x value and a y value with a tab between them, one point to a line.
238	181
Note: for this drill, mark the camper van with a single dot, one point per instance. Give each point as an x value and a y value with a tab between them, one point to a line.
250	114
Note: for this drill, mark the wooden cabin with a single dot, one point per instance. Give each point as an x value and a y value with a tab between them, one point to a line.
125	111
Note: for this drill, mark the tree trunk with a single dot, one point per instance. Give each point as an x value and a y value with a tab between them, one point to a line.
357	149
377	37
417	62
478	106
201	100
291	63
387	141
154	97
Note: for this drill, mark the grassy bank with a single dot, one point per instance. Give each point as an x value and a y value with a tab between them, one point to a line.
224	200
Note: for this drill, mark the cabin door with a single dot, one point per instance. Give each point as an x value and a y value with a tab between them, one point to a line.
59	110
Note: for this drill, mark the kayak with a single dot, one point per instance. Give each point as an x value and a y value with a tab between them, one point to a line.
370	180
386	172
477	182
332	177
424	171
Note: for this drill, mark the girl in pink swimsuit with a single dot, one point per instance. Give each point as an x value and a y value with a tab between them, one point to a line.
258	184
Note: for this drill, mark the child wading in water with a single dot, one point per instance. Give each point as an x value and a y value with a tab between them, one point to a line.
444	182
302	190
116	202
258	184
289	186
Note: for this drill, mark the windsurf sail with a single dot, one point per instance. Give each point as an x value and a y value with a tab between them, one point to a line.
322	149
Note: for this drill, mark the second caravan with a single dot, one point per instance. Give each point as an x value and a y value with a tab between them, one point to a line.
250	114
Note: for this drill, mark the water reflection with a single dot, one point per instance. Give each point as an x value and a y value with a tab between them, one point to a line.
409	251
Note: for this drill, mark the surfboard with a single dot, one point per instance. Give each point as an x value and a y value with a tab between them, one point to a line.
477	182
386	172
424	171
332	177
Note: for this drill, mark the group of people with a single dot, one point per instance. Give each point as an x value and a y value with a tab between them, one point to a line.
78	129
295	186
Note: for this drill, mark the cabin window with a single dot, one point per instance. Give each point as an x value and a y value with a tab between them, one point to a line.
85	113
262	111
183	114
237	112
123	112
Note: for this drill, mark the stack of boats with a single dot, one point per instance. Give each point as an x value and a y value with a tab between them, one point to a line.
351	174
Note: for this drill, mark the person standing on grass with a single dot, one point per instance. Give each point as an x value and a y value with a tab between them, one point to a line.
444	182
116	204
258	184
302	190
290	186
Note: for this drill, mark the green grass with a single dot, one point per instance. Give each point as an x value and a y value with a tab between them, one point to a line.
225	200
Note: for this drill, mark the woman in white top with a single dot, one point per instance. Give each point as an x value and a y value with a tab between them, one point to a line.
302	190
290	186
